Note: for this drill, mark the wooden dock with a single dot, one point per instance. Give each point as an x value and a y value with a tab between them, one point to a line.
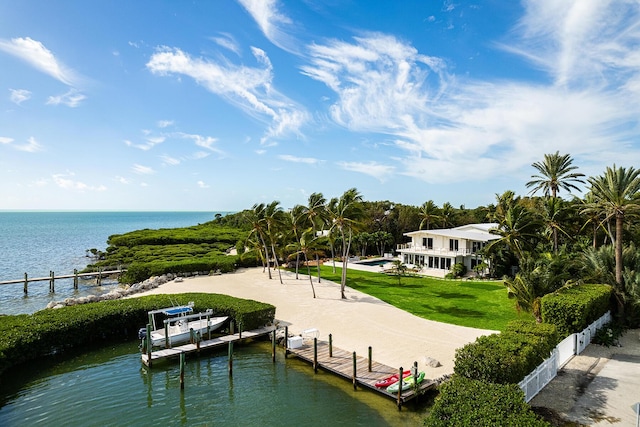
341	363
51	278
175	352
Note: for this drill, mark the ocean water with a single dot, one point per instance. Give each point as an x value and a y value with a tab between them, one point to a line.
39	242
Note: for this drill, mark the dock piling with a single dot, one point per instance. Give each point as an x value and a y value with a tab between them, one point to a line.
355	370
370	353
399	400
273	346
149	343
26	283
182	363
230	358
330	345
315	355
52	278
75	279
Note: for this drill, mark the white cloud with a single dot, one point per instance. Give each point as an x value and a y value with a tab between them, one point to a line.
65	182
149	141
271	22
227	41
142	170
165	123
168	160
374	169
18	96
71	98
37	55
452	128
201	184
31	145
249	88
122	180
294	159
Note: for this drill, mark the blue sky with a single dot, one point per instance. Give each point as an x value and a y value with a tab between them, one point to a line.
217	105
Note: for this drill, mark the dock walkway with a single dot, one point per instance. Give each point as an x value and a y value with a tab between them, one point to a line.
341	363
167	353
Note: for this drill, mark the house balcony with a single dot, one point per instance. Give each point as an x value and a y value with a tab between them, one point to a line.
424	250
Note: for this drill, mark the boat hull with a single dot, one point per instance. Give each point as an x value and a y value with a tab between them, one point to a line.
180	333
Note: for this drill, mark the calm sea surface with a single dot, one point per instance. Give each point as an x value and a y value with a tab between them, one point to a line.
111	387
38	242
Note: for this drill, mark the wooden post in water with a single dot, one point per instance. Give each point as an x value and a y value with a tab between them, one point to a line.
230	358
330	345
75	279
26	283
167	343
273	346
231	324
52	286
239	330
99	280
315	355
209	325
149	344
370	351
286	341
399	398
182	359
355	370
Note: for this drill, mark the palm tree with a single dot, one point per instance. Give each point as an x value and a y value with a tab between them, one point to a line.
552	215
447	214
273	218
316	214
616	195
256	219
555	174
295	225
428	213
345	216
518	230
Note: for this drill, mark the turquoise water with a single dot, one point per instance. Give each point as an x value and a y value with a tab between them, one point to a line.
112	388
38	242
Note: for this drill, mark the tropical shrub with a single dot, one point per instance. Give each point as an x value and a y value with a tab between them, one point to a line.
28	337
465	402
573	308
509	356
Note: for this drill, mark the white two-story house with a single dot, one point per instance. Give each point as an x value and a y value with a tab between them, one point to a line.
435	251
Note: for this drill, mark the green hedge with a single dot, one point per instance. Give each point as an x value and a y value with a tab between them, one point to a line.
464	402
509	356
573	309
139	271
28	337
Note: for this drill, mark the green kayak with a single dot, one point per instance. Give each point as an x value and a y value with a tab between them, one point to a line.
407	383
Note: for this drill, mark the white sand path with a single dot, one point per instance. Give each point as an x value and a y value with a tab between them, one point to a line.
397	338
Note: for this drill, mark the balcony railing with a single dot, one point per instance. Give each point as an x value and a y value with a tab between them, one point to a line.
433	251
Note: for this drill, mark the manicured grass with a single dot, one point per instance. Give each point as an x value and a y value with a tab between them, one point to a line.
478	304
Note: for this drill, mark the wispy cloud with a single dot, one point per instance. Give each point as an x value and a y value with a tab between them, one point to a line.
38	56
169	161
31	145
18	96
66	182
272	22
165	123
142	170
294	159
71	98
249	88
201	184
149	142
448	127
227	41
379	171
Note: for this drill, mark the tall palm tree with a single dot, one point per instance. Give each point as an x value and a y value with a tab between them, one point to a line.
556	172
446	214
316	214
255	217
617	196
273	218
518	230
429	213
295	225
345	217
553	210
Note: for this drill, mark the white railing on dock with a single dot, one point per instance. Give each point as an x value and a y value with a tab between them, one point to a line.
570	346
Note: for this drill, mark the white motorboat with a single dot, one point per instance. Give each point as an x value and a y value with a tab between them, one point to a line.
179	325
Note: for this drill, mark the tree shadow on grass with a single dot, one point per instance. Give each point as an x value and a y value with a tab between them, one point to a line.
453	295
483	286
456	311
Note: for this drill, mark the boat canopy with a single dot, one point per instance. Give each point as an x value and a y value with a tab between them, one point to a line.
174	311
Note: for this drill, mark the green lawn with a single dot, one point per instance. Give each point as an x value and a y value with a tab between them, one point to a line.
474	303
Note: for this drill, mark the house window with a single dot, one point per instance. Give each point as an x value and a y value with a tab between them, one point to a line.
430	262
445	263
427	242
453	245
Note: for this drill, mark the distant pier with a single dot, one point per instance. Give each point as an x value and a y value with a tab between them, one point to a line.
98	275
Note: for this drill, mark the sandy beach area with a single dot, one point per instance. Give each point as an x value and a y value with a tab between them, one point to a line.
397	338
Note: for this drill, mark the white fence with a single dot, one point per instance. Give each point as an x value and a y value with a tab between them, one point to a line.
561	354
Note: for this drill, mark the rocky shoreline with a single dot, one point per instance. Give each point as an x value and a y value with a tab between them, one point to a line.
125	290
